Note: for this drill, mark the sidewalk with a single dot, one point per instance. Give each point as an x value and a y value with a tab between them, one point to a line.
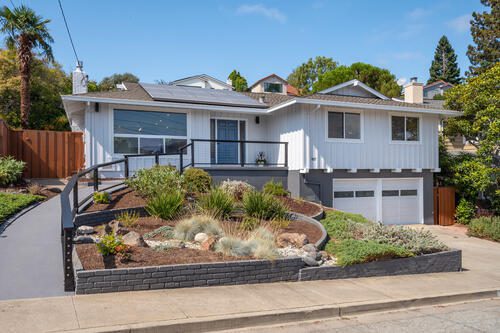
239	304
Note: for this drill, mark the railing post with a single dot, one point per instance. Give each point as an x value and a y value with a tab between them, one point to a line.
192	153
242	154
181	161
126	168
75	197
69	278
157	159
96	179
286	154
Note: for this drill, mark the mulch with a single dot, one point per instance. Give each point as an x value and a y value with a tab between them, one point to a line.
142	256
301	206
312	232
125	198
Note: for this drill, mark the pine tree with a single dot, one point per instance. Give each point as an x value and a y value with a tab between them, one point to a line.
444	66
485	30
238	82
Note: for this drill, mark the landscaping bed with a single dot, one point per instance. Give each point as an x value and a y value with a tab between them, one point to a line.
124	198
11	203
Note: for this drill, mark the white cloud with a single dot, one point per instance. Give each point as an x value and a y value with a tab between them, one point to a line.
418	13
402	81
460	24
270	13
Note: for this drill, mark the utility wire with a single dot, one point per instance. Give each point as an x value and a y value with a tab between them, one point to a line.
69	33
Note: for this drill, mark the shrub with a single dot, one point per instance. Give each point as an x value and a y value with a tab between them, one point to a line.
109	244
35	189
196	180
156	180
165	231
236	188
260	244
416	241
485	227
127	218
165	205
11	170
340	225
275	188
216	203
263	206
465	211
249	223
188	228
102	197
350	251
10	203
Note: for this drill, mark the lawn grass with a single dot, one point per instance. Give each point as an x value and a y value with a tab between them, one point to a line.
11	203
485	227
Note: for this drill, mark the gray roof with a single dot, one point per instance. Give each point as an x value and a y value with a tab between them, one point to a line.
134	92
270	99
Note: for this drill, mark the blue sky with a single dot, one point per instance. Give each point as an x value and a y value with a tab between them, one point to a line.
173	39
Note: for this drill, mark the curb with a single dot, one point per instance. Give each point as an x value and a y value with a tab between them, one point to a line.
285	316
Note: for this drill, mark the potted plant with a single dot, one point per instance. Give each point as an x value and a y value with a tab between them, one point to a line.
261	159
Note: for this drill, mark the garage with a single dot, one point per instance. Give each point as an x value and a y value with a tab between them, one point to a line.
389	200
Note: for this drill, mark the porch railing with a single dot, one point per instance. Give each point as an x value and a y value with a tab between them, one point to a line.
244	153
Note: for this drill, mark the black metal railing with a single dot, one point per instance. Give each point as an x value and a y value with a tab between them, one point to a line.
243	158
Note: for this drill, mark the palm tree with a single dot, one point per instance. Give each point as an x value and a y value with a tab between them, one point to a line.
26	32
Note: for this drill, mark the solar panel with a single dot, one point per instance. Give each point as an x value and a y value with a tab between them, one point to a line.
161	92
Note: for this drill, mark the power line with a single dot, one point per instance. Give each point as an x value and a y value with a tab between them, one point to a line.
69	33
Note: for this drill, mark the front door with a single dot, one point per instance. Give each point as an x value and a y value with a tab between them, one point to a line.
227	152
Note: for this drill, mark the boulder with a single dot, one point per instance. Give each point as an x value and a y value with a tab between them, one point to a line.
54	189
292	239
134	239
309	261
200	237
85	230
309	248
116	228
324	255
84	239
208	244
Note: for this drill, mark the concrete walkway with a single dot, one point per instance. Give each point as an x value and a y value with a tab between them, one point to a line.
198	309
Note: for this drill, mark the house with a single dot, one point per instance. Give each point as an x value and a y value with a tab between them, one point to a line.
273	84
436	88
348	147
202	81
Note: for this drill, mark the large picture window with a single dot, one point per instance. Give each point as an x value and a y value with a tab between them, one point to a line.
404	128
344	125
145	132
273	87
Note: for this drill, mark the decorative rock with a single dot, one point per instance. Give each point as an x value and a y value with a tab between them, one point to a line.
134	239
200	237
309	248
310	261
324	255
84	240
54	189
208	244
84	230
292	238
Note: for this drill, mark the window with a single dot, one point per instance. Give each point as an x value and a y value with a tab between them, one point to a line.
343	194
144	132
344	125
409	193
365	194
405	128
390	193
273	87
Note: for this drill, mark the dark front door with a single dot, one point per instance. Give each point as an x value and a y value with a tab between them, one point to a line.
227	152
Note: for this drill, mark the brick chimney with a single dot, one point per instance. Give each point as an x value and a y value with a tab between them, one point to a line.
80	80
414	92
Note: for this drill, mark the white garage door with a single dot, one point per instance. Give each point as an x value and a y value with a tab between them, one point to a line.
389	200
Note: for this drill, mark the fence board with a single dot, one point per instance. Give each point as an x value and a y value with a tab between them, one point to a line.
48	154
444	205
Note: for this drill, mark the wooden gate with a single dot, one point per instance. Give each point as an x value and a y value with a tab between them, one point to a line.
48	154
444	205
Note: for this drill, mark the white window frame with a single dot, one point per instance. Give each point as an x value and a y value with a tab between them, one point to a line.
344	140
405	142
148	136
239	134
273	92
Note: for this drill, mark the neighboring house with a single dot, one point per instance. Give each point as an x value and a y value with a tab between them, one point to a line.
436	88
273	84
202	81
349	146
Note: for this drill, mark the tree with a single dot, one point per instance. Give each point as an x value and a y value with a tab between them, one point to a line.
485	30
48	82
27	32
444	66
110	82
238	82
305	76
377	78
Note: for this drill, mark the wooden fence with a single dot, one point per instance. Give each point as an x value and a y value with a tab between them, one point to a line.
444	205
48	154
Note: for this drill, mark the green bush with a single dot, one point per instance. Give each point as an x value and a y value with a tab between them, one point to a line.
236	188
10	203
102	197
351	251
156	180
127	218
165	205
216	203
485	227
249	223
275	188
10	170
341	225
165	231
188	228
108	244
196	180
465	211
263	206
